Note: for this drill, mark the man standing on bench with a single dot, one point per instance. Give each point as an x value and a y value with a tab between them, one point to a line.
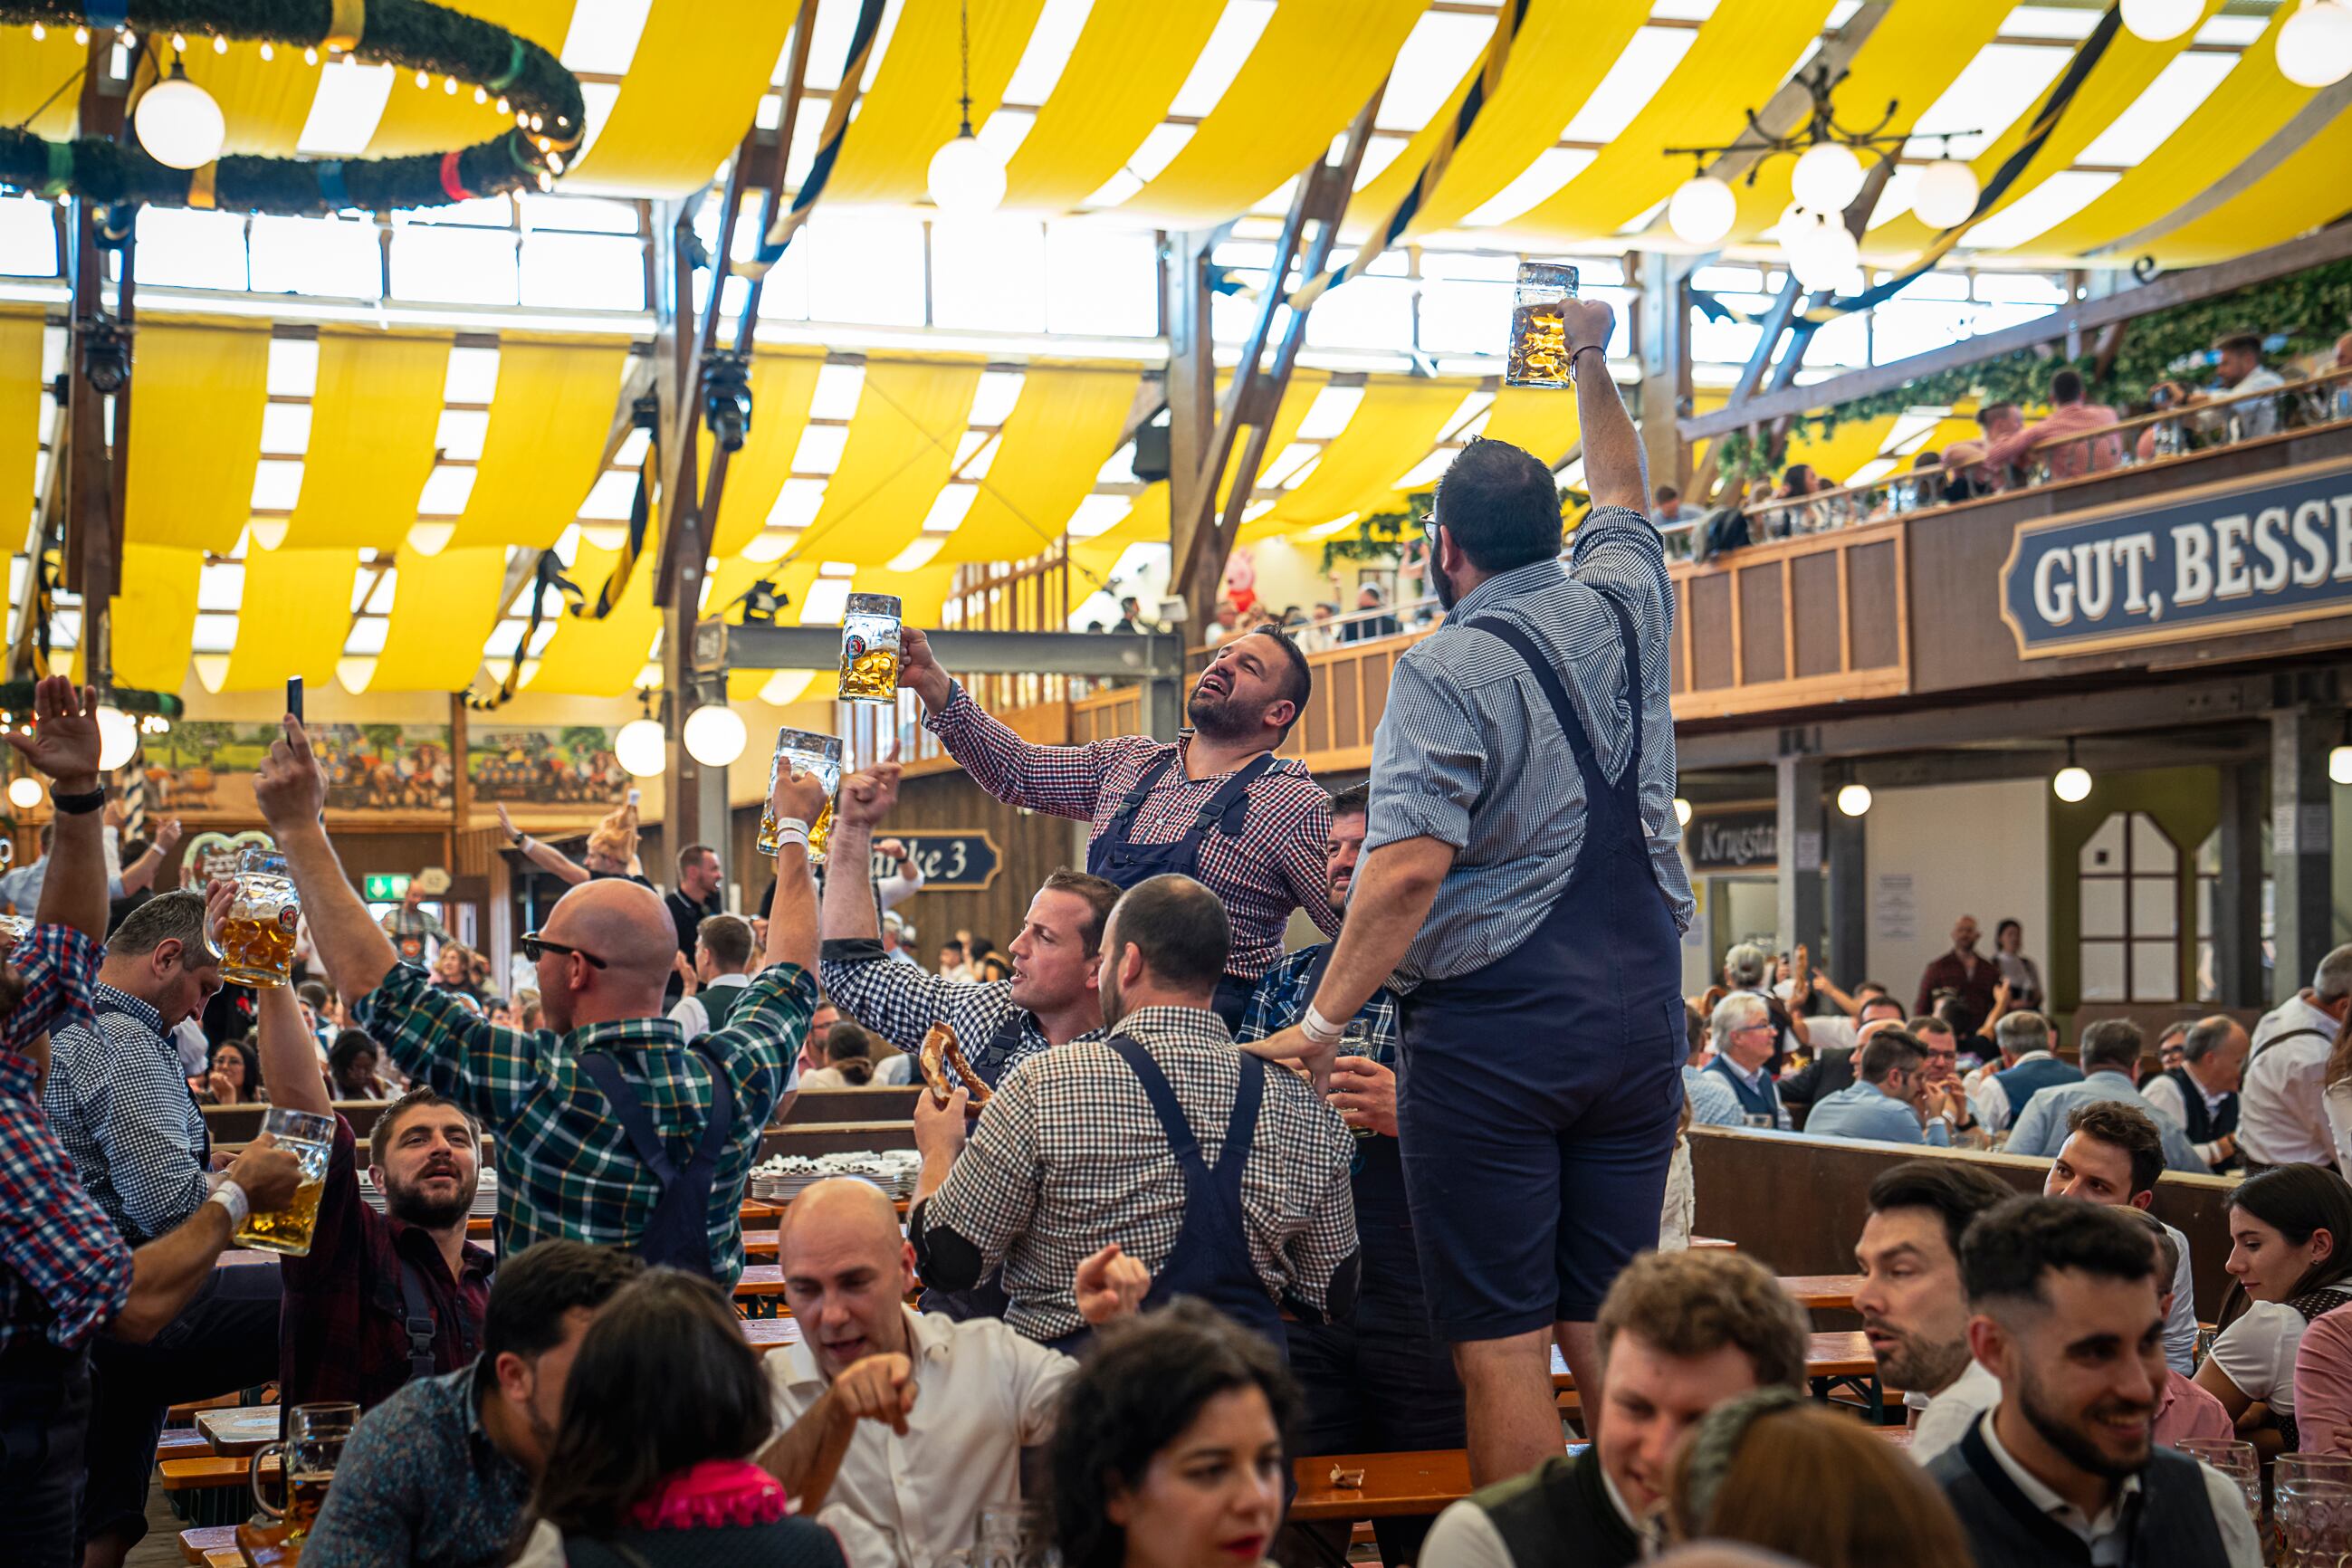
610	1129
65	1271
1521	877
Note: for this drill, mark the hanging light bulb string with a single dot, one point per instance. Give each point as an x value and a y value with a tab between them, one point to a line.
963	35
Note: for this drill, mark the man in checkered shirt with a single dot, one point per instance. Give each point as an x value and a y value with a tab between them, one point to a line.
1051	1000
1139	1141
1522	889
1216	805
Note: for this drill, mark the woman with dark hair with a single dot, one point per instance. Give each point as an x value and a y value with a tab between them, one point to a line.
848	1053
2025	977
1168	1452
1768	1469
2290	1260
649	1468
235	1077
350	1066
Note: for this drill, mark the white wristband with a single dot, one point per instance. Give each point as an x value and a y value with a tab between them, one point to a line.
231	1196
792	833
1321	1030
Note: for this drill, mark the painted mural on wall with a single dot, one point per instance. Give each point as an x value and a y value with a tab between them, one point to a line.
389	770
544	764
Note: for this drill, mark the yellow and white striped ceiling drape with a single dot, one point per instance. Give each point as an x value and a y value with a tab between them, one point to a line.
1123	72
293	617
1534	420
548	417
40	81
427	119
372	421
1395	424
196	433
1311	71
1054	445
913	110
444	608
2276	207
153	621
602	658
900	448
700	69
20	406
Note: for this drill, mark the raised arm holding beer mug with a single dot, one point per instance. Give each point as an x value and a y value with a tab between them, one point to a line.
1521	879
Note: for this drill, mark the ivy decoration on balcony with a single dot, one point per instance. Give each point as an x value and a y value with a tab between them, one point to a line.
446	50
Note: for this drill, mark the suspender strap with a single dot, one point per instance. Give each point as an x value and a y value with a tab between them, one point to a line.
1182	1141
1547	677
637	1124
417	1322
2289	1035
1229	796
1115	829
1232	797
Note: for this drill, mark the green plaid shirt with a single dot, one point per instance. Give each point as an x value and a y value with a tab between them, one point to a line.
565	1168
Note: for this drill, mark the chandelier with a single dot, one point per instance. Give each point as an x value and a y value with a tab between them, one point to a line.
1829	174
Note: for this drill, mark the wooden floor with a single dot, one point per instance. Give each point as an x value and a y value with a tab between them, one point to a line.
161	1549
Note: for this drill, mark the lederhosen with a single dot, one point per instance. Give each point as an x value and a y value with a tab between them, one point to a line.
678	1233
1115	857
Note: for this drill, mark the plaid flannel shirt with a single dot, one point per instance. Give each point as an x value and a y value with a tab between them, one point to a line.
1283	992
1067	1156
64	1270
901	1002
565	1168
1272	867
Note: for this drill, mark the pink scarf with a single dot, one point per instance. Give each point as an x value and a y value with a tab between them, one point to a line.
713	1493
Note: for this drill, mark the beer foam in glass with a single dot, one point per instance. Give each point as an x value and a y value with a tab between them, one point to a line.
869	648
256	937
809	754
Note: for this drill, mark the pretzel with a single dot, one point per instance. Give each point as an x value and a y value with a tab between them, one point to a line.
939	1052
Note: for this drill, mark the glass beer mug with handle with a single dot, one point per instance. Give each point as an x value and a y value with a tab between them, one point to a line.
810	754
311	1139
869	648
313	1444
1539	352
257	936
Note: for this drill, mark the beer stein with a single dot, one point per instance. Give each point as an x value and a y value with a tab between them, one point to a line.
1539	351
256	937
808	754
869	648
313	1444
311	1139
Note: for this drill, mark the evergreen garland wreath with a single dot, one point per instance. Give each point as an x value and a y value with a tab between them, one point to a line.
410	35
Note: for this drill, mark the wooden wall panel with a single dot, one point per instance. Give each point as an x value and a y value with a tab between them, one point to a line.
1813	587
1875	617
1711	641
1027	845
1763	650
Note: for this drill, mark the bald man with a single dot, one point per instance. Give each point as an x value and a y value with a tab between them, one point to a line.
609	1128
899	1427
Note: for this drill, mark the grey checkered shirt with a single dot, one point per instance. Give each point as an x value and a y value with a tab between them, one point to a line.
1470	752
1068	1157
124	1114
901	1002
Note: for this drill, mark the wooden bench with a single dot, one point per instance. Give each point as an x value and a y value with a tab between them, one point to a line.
197	1543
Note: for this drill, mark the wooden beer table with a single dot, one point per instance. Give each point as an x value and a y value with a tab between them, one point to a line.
1821	1292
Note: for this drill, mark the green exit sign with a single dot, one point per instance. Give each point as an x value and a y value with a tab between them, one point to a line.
383	887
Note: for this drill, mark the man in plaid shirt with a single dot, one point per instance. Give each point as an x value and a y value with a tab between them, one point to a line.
1225	1180
65	1271
1217	804
567	1167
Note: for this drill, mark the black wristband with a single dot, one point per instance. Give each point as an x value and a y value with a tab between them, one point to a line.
77	804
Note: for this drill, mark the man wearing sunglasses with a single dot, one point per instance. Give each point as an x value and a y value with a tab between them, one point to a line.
609	1128
1521	878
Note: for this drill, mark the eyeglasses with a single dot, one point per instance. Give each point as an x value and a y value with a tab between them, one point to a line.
1429	526
533	944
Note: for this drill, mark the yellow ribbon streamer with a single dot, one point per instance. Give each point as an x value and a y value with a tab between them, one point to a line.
346	20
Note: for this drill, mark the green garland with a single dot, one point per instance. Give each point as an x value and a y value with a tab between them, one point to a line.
410	35
2308	309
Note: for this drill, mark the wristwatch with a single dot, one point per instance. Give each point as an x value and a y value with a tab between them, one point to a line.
77	804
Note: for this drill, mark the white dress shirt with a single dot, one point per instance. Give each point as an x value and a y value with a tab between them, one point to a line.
983	1393
1949	1414
2160	1090
2104	1535
692	1017
2282	1111
1988	1099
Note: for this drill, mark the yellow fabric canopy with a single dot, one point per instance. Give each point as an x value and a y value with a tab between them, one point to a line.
153	621
196	434
31	75
20	408
1562	51
1535	419
1056	439
691	89
1836	455
266	103
913	109
2124	74
901	444
1394	427
781	386
549	418
1312	67
602	658
2250	106
444	608
1910	58
374	416
2276	207
297	609
427	119
1122	74
1742	54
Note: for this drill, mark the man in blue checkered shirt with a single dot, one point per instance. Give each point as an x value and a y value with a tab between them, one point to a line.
1522	889
1379	1383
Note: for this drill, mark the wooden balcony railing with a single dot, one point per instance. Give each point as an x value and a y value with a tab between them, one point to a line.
1817	618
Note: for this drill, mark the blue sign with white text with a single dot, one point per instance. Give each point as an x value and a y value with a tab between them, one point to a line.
2235	560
